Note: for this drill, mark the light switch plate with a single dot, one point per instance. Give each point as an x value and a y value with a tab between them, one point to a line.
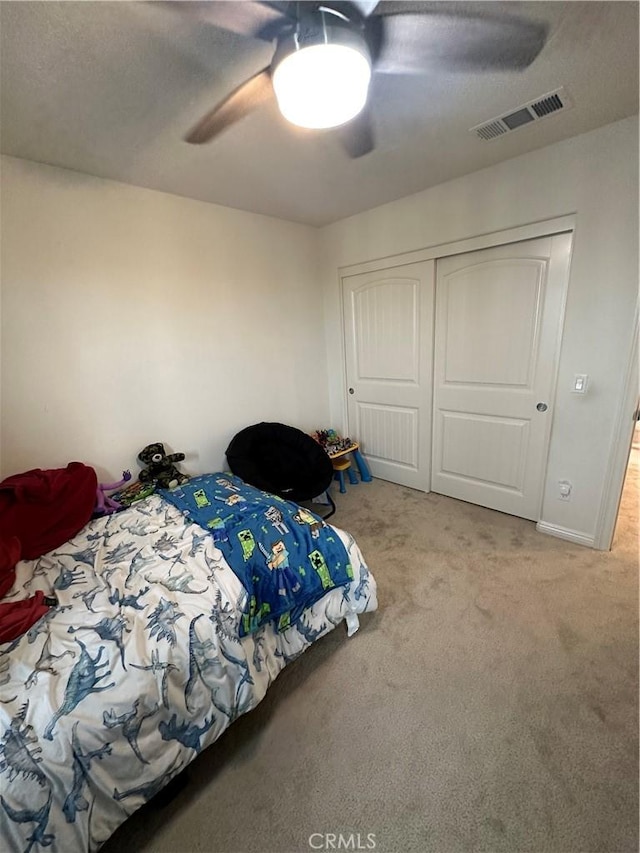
580	382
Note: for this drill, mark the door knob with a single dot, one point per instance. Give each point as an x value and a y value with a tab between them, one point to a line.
351	391
542	407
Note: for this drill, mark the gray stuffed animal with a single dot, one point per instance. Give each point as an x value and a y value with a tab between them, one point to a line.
160	469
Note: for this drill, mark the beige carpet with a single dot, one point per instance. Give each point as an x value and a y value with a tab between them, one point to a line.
490	705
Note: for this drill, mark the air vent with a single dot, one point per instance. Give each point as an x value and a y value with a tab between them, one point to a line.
533	111
547	105
491	130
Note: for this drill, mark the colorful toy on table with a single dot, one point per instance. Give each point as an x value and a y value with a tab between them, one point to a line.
338	449
160	470
331	442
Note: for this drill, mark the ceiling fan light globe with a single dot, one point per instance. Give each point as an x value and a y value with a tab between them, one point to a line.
322	86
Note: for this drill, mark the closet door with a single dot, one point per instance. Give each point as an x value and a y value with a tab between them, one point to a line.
388	317
499	315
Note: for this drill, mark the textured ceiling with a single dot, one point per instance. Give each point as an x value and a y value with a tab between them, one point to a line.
110	89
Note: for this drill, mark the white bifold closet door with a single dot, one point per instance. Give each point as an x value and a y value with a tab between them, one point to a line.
498	325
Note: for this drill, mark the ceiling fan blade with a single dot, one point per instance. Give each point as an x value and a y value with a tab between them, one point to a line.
433	41
247	97
248	18
357	135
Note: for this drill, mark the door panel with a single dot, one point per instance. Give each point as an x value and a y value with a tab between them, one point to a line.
391	433
388	319
499	317
481	302
489	450
387	330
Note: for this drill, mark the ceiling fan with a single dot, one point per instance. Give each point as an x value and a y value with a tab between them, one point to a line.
326	52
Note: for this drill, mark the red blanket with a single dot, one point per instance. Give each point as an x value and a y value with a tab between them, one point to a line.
39	511
46	508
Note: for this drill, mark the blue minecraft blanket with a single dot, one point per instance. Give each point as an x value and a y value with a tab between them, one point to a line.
285	556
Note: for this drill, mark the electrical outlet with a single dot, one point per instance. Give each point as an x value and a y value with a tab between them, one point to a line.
564	490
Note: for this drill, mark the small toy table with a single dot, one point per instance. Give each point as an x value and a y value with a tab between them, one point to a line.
340	465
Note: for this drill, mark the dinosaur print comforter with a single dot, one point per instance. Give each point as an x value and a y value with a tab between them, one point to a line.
139	667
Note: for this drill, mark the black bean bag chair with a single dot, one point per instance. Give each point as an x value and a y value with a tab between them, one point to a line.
282	460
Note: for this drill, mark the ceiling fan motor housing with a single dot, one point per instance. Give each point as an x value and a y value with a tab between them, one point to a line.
320	26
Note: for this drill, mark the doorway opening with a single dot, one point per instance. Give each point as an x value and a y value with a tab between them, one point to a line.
627	530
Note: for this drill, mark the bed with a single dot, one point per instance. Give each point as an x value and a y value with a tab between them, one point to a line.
147	658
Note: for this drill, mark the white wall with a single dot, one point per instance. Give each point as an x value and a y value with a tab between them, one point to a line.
594	176
131	316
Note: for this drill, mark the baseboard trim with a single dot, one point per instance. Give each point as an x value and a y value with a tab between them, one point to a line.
566	533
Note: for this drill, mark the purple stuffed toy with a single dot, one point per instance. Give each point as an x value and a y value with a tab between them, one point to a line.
104	504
